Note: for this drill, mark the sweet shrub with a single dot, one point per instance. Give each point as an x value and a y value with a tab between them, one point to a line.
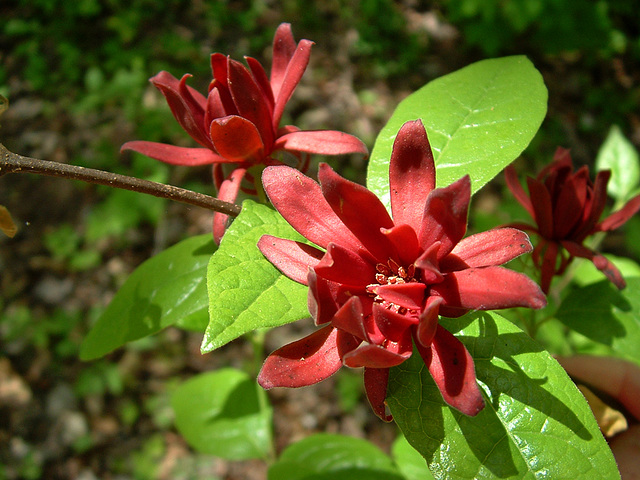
391	279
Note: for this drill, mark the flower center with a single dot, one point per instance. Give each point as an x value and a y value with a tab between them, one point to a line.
392	274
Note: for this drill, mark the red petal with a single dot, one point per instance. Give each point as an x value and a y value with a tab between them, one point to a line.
321	142
228	192
445	216
541	201
360	210
186	104
292	258
428	325
600	261
489	288
260	76
619	218
349	318
408	295
219	67
570	203
300	201
375	385
284	46
346	267
322	300
214	109
391	325
404	238
452	369
428	264
173	155
378	356
412	174
511	177
304	362
237	139
251	102
594	208
292	75
549	263
493	247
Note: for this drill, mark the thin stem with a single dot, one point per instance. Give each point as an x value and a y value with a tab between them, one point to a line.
13	163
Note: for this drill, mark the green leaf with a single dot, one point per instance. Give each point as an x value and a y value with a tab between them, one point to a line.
333	457
409	461
166	289
619	155
246	291
224	413
536	424
606	315
478	119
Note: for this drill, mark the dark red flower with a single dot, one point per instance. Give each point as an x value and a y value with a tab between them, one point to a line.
381	283
238	121
566	207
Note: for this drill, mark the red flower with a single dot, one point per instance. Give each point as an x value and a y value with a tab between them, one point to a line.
238	121
382	282
566	207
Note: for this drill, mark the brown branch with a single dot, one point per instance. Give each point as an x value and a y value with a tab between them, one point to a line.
14	163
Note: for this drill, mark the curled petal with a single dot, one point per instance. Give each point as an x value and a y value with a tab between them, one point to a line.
284	46
445	216
488	288
349	318
511	177
321	142
549	264
596	206
375	385
260	77
360	210
251	102
300	201
228	192
542	207
292	75
619	218
392	325
428	264
292	258
186	104
568	207
600	261
380	356
304	362
324	298
408	295
173	155
214	108
452	368
405	241
237	139
412	174
428	325
493	247
345	267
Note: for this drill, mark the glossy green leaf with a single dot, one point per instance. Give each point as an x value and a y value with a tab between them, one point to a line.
409	461
536	424
224	413
165	290
619	155
246	292
606	315
333	457
478	120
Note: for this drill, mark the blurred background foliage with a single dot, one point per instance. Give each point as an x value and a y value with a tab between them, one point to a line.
76	76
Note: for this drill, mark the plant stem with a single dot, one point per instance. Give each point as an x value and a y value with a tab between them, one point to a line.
14	163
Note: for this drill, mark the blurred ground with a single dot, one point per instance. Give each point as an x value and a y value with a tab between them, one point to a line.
110	419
